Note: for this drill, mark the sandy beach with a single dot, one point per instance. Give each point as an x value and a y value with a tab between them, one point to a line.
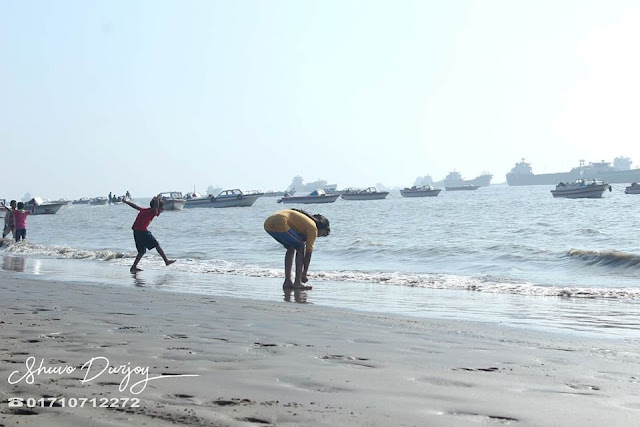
284	363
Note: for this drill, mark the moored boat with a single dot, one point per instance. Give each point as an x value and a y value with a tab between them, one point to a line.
81	201
370	193
42	207
634	188
420	191
173	200
226	199
317	196
581	189
99	201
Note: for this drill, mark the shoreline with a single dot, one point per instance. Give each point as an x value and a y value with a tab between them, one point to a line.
277	363
598	318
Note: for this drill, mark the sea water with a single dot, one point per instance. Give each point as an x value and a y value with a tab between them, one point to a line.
510	254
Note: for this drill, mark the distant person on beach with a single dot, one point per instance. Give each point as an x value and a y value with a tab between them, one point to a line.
143	237
19	220
297	231
9	223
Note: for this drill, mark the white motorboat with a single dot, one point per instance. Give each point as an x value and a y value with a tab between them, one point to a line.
317	196
42	207
99	201
420	191
370	193
634	188
226	199
173	200
581	189
81	201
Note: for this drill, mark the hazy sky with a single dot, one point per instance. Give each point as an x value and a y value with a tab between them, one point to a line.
148	96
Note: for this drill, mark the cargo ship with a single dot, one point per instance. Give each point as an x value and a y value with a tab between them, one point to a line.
454	179
618	173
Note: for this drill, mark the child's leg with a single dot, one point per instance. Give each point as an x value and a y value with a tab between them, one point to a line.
134	267
167	261
288	263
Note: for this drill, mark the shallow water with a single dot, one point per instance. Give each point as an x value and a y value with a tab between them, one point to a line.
508	254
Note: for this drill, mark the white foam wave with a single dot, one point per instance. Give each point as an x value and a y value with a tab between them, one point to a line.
487	284
27	248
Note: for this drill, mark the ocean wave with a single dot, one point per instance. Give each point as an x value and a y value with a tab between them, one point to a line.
606	258
27	248
487	283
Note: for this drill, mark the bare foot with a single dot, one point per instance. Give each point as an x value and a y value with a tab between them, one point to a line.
288	284
169	261
302	287
134	269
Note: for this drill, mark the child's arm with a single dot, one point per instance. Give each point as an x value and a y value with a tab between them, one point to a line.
133	205
5	206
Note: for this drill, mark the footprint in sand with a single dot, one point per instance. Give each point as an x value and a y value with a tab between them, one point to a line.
350	360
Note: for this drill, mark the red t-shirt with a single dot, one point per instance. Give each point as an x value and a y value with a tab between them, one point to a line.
143	219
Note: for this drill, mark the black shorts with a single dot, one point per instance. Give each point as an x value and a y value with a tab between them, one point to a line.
144	240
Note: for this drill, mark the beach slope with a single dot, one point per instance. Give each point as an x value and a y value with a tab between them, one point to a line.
232	362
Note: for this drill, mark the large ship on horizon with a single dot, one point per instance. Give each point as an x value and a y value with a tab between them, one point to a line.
298	185
619	173
454	179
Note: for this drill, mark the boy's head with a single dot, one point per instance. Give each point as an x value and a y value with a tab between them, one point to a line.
20	205
154	202
12	204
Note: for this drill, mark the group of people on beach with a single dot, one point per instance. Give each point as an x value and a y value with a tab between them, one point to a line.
15	220
294	229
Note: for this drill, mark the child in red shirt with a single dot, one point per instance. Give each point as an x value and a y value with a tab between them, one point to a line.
143	237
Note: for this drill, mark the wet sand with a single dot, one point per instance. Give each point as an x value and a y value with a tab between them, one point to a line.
280	363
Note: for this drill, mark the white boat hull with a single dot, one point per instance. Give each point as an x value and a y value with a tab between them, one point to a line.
368	196
46	209
425	193
306	200
173	205
588	192
222	202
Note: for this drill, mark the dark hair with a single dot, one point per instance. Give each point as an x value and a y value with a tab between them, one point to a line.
321	221
13	201
20	205
154	202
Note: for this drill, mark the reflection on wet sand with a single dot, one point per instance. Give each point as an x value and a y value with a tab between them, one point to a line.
13	263
137	280
299	296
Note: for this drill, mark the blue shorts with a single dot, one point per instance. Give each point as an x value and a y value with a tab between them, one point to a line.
144	240
289	239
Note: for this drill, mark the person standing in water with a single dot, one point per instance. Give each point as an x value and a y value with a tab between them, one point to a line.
9	223
297	231
143	237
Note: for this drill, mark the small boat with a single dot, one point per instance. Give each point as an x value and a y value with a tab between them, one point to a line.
581	189
633	189
317	196
99	201
42	207
81	201
420	191
226	199
370	193
466	187
173	200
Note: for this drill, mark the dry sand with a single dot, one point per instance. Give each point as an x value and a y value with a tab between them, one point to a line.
279	363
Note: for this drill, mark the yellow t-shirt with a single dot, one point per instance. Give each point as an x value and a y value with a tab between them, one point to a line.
282	221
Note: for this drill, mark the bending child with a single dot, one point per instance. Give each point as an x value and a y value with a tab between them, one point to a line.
143	237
